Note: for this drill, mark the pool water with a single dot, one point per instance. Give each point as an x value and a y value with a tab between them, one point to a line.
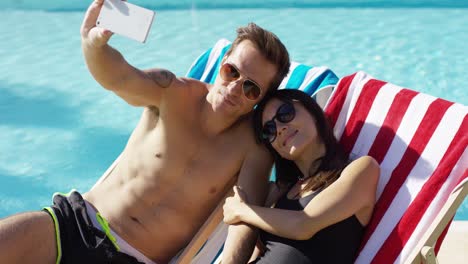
60	130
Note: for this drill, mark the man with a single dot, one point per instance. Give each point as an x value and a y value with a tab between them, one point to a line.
192	140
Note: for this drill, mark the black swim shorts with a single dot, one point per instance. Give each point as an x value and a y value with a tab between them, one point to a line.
78	241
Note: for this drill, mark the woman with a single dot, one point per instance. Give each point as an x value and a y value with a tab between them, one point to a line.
321	200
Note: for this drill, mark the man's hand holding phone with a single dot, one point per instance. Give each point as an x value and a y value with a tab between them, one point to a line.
105	17
89	32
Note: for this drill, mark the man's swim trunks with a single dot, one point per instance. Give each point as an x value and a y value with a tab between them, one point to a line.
78	240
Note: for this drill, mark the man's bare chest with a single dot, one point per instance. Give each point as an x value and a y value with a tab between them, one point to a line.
172	152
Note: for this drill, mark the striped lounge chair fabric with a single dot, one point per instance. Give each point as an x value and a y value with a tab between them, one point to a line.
420	142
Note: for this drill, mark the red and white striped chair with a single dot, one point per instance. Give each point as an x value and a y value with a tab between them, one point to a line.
421	143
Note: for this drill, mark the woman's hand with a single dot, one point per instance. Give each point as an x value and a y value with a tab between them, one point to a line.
234	206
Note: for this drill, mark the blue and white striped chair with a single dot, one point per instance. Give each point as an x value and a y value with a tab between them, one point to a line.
207	245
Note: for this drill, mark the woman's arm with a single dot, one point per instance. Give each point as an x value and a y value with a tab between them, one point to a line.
352	192
277	221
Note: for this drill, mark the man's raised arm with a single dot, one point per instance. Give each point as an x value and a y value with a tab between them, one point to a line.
112	71
253	180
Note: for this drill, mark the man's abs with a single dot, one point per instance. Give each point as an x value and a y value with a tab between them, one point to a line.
159	212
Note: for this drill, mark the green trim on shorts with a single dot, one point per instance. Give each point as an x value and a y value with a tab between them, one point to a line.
103	222
105	226
56	224
57	233
63	194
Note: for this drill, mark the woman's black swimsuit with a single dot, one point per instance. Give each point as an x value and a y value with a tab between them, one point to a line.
337	243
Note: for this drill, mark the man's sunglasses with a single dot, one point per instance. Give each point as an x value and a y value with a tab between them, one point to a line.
229	73
284	114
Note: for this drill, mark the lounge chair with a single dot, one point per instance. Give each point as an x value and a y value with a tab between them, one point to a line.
420	142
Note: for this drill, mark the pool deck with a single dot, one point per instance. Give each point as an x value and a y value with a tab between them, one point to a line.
454	249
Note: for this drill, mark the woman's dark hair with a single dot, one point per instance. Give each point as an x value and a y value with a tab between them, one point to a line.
329	166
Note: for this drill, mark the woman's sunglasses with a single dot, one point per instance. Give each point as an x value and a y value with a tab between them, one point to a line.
229	73
284	114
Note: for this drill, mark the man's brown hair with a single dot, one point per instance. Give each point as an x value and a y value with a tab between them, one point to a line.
269	45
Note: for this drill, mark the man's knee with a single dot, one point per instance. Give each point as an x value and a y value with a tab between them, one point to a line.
28	238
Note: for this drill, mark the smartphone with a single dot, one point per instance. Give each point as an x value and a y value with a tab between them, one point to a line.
126	19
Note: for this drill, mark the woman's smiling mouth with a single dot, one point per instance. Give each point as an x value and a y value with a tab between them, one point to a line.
289	137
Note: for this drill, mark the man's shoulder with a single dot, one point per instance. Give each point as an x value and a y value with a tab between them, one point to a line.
185	90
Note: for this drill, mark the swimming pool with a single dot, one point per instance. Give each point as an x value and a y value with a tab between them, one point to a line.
60	130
